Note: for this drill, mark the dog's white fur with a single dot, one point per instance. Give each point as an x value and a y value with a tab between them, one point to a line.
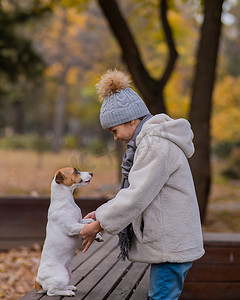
62	235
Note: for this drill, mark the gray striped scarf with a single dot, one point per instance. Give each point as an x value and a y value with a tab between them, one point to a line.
126	233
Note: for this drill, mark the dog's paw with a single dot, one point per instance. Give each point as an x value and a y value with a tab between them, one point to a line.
71	287
70	294
57	292
99	237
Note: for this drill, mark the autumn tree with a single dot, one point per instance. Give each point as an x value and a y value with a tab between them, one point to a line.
201	104
226	132
71	50
19	59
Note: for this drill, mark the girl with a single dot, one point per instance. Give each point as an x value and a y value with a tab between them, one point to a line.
156	212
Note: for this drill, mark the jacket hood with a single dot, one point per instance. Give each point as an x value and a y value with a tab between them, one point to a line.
177	131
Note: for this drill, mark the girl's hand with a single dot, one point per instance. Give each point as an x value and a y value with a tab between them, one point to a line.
88	234
90	215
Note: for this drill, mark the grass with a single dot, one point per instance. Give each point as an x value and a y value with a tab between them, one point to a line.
30	173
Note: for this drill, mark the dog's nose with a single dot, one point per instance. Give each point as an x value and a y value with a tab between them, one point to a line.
91	174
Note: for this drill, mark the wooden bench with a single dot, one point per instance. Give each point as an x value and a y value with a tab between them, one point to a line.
99	274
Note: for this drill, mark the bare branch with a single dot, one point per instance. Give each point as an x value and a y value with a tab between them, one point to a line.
170	42
125	38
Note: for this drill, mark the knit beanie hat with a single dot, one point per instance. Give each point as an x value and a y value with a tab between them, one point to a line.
120	104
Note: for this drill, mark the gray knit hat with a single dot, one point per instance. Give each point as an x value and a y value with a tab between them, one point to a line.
120	104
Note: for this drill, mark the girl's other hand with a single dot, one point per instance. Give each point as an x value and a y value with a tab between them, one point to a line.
90	215
88	234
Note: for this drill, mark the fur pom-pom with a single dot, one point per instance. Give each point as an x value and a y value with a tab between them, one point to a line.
111	82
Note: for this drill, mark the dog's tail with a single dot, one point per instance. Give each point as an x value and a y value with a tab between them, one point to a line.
38	287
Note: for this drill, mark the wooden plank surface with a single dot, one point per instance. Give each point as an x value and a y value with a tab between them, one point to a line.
221	255
105	287
129	282
211	291
221	238
141	291
99	274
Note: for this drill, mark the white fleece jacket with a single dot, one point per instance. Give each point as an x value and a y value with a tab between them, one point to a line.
160	202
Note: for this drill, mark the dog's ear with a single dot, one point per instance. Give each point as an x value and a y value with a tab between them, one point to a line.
59	177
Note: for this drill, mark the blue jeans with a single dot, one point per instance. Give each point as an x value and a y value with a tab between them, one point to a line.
167	279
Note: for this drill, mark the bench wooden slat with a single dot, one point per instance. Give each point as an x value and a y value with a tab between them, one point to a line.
81	257
227	255
110	281
221	239
126	286
8	244
213	272
32	295
87	266
141	292
211	291
92	279
22	231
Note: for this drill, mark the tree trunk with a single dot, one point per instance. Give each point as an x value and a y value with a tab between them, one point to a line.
65	59
59	119
18	117
201	105
151	89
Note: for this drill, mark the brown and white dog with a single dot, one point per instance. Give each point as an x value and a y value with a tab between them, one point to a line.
62	234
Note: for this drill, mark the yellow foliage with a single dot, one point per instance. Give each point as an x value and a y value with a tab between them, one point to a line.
177	94
226	113
72	76
54	70
76	18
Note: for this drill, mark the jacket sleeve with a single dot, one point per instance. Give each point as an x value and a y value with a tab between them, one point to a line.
147	177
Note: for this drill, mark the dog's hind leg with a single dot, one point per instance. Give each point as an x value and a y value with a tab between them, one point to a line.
60	292
39	289
58	285
70	287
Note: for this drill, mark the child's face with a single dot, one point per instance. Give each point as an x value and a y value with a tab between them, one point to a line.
124	132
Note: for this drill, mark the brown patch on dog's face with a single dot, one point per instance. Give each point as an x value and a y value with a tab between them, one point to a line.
68	176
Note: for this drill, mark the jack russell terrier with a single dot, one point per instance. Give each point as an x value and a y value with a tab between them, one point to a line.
62	234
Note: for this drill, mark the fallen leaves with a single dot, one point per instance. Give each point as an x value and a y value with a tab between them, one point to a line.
18	269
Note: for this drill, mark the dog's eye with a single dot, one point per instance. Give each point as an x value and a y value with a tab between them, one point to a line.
75	171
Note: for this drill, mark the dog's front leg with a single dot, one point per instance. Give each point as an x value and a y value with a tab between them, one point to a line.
87	221
74	229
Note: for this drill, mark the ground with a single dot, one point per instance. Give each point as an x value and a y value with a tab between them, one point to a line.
27	172
30	173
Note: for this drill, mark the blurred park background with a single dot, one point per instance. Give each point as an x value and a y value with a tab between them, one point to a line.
183	59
